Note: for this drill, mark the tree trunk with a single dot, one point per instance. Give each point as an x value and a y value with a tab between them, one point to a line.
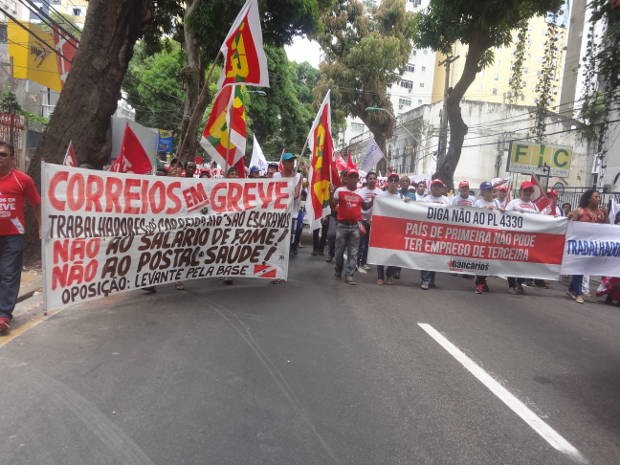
193	76
92	90
458	128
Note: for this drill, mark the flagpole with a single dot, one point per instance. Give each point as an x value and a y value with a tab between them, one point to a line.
232	104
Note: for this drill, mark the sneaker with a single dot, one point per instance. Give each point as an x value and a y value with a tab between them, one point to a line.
520	290
329	259
366	266
380	282
362	270
424	286
389	281
337	276
579	299
486	288
571	295
397	275
350	280
479	289
512	290
4	325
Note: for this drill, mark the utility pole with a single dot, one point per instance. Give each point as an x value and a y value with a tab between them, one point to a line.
443	126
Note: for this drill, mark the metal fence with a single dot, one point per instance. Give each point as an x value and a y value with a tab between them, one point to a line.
573	194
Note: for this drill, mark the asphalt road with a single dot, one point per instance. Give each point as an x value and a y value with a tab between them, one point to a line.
316	372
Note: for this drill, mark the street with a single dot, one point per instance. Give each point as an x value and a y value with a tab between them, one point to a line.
316	372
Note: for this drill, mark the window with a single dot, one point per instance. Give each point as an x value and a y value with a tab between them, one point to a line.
357	127
410	68
421	84
77	12
3	34
404	102
423	68
407	84
494	91
414	52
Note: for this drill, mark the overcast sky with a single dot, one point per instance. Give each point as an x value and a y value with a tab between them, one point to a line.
304	50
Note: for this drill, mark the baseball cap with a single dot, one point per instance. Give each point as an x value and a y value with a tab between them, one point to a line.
352	172
438	181
486	186
503	187
288	156
463	184
254	169
526	185
393	176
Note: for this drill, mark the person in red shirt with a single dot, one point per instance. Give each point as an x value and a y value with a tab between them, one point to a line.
348	215
15	187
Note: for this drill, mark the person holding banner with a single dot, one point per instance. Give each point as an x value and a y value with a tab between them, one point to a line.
288	171
348	215
15	187
392	192
438	187
463	199
486	200
590	212
501	193
367	192
523	204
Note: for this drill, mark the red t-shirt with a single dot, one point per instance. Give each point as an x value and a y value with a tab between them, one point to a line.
349	205
14	188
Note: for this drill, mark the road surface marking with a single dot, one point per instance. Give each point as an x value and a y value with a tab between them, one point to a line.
518	407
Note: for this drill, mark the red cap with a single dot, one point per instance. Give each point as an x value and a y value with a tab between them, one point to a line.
438	181
552	193
394	175
503	187
526	185
352	172
463	184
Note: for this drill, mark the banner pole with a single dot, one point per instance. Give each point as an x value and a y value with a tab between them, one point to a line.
230	106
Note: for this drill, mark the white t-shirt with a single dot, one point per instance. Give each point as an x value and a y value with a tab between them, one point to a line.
389	195
297	201
459	201
518	205
481	203
368	194
442	199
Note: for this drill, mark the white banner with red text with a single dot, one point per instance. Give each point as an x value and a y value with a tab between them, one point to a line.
465	240
106	232
592	249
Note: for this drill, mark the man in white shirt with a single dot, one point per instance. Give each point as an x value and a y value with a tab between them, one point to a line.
436	196
288	171
369	192
463	199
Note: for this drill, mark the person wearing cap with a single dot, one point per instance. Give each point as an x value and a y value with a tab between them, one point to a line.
486	200
501	195
553	208
349	205
385	275
368	192
288	171
438	187
523	204
254	172
463	199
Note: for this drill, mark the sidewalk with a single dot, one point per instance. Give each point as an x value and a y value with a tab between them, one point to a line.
32	281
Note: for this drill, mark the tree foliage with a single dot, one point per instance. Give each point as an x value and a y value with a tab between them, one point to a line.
365	53
482	25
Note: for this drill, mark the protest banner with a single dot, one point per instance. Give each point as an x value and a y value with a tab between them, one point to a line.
592	249
107	232
465	240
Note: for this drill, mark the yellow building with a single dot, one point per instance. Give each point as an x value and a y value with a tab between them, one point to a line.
492	83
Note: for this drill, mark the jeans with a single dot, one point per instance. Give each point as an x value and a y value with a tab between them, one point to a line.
347	237
319	237
427	277
11	252
362	254
515	282
576	282
382	272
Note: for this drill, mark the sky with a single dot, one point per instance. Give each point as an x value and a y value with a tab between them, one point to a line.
302	50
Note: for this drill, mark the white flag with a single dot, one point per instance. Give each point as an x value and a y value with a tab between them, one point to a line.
371	157
258	158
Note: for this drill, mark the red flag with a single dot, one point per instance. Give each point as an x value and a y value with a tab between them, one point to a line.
539	197
66	48
341	165
244	57
350	164
70	159
132	156
225	133
240	166
321	174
